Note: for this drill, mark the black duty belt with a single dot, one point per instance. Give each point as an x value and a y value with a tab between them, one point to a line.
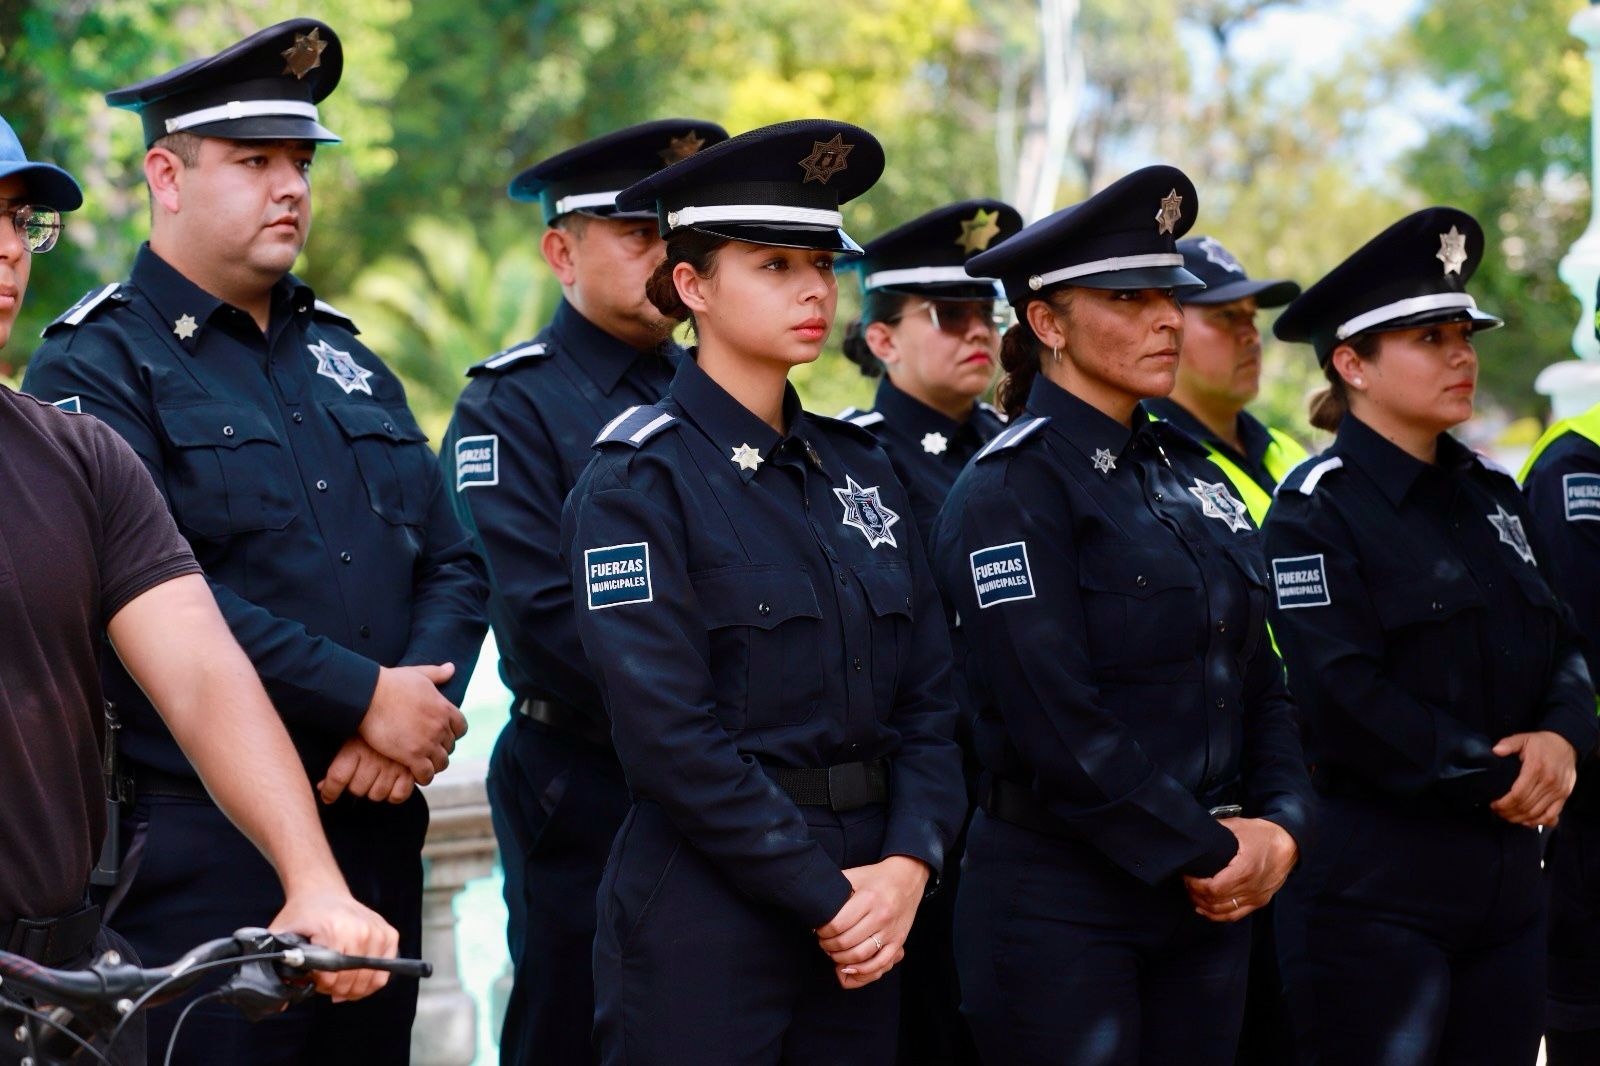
566	719
54	941
148	781
845	787
1011	802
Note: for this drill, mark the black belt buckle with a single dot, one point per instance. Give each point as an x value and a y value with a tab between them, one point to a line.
849	786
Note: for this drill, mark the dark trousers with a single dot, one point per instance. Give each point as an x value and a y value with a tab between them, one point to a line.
1419	939
557	802
689	970
1572	870
1266	1038
932	1030
190	876
1068	960
130	1045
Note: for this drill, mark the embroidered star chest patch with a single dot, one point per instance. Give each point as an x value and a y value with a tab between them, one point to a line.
864	510
342	367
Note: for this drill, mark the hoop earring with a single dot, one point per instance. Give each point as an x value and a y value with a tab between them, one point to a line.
1055	354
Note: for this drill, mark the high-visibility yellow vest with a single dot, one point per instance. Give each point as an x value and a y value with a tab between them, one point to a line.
1282	456
1585	425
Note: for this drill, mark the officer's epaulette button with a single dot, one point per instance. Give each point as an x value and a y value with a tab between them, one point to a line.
508	357
635	426
1305	478
1013	435
87	305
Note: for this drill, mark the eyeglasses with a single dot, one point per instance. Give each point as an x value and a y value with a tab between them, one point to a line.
953	316
38	226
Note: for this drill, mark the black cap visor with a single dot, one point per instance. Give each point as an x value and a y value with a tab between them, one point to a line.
1267	293
1138	278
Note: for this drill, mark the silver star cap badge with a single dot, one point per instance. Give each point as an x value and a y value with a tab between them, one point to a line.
1104	461
1452	250
1509	526
746	457
1171	212
935	443
185	327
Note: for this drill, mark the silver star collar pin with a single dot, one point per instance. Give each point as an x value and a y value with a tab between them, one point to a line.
1217	502
935	443
1509	526
185	327
1104	461
746	458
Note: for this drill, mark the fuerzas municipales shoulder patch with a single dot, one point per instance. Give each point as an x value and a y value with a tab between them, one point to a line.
1301	581
1582	494
1001	574
477	461
617	574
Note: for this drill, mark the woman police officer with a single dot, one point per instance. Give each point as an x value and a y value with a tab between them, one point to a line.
1146	788
754	600
1444	695
931	331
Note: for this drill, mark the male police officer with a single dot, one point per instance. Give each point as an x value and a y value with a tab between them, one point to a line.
520	438
1220	372
87	547
294	468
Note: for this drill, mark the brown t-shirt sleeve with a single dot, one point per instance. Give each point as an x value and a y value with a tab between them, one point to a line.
140	546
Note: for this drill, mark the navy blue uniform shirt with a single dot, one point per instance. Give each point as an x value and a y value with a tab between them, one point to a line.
1416	623
1252	434
299	477
776	611
1111	595
1563	491
523	431
928	449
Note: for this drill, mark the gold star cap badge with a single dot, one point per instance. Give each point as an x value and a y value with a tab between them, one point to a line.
1171	212
978	231
1452	250
827	158
680	148
305	55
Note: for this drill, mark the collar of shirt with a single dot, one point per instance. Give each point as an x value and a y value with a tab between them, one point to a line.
1252	433
1085	427
603	357
176	298
910	415
730	424
1395	470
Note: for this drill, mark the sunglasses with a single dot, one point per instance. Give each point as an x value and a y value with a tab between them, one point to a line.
38	226
953	316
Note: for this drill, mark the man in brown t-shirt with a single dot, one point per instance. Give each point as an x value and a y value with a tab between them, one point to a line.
88	549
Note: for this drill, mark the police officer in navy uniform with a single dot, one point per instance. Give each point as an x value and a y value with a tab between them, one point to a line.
1220	373
1145	788
1445	698
520	437
754	600
292	465
1561	479
931	332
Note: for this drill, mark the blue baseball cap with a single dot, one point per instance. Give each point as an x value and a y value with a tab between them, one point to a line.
49	185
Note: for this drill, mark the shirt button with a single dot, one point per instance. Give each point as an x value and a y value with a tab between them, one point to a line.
344	557
388	427
1437	606
1222	627
1221	703
1140	581
763	609
366	631
298	417
322	486
1159	497
227	431
857	664
843	580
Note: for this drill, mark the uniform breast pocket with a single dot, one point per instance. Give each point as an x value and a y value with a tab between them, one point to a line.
397	466
1429	620
765	630
231	473
888	587
1248	562
1141	606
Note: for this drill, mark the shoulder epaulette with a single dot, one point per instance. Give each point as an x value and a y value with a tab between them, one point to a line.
993	410
635	426
327	310
1489	463
508	356
86	305
1013	435
1177	437
1305	477
857	417
852	427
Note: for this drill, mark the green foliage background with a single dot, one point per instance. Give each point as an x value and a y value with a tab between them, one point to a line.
442	102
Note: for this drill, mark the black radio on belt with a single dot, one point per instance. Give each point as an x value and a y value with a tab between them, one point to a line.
118	791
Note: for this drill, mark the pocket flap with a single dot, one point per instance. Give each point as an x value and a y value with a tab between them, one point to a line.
763	596
215	425
1135	571
1411	602
888	588
373	420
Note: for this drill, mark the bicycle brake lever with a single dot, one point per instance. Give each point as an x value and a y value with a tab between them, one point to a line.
257	991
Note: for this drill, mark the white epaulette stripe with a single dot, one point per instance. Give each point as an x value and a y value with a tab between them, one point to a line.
865	419
650	427
1011	435
514	354
81	312
329	309
992	409
614	423
1309	485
